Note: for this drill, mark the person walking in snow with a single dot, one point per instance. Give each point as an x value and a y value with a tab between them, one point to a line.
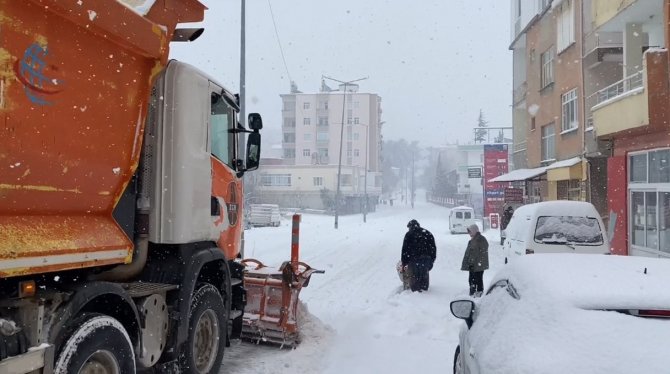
418	256
476	260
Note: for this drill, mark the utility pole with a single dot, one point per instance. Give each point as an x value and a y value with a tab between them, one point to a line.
365	187
339	162
412	192
242	121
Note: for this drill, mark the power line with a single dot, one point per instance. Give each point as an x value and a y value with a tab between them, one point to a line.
279	42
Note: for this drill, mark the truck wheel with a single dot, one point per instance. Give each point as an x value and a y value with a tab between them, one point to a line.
202	352
96	343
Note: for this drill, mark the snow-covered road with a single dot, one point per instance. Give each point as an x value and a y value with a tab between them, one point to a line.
359	321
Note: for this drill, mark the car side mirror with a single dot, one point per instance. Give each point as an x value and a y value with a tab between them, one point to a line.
463	309
253	150
255	121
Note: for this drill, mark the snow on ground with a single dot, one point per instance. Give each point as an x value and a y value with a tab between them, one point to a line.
359	319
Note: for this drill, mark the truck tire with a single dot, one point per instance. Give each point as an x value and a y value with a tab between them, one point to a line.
96	343
202	352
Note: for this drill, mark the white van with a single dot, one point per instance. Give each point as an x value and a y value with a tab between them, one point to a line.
554	227
264	215
460	219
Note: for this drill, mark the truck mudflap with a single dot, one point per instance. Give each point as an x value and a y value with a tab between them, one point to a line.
40	357
271	314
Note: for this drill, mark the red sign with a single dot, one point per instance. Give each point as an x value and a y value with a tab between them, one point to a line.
495	164
514	195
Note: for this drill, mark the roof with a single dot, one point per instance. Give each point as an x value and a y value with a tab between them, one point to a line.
592	281
520	175
462	207
565	163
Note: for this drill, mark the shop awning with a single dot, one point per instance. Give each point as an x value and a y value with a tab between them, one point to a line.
565	170
520	175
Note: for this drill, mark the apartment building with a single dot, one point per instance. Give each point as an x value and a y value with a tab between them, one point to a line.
312	126
550	123
629	109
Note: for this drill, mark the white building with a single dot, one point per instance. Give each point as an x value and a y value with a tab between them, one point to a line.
312	126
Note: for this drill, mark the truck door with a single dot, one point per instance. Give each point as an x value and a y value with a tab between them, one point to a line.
226	198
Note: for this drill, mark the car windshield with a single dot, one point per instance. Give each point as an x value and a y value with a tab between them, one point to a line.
568	230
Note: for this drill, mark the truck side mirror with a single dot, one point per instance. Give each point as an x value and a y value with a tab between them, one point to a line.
255	122
253	149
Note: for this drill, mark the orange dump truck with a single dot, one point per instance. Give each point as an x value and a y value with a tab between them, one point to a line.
120	192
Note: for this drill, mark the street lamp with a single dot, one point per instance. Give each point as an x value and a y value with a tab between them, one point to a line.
339	162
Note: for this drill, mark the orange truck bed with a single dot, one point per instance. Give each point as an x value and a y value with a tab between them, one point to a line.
75	78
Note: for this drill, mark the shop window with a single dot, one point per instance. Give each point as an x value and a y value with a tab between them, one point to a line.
664	221
659	166
638	168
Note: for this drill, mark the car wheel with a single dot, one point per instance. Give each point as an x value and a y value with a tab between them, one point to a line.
96	343
458	361
203	350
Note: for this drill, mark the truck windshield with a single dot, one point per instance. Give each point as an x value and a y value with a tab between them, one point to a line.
566	229
221	140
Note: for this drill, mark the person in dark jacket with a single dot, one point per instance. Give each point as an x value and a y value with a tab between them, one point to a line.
418	255
504	222
476	260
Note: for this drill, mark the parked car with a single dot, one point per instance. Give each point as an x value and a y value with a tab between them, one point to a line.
553	227
460	218
264	215
560	313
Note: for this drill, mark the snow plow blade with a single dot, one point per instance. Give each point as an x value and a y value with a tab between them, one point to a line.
271	313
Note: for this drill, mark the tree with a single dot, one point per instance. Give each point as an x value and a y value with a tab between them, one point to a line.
500	138
441	184
480	134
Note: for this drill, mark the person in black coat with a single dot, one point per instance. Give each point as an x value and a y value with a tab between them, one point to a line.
418	255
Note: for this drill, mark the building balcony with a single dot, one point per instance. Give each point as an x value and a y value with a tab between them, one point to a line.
519	93
603	46
639	100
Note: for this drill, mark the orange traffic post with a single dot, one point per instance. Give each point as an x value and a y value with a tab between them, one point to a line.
295	242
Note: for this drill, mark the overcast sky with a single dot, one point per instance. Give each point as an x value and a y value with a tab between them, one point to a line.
434	63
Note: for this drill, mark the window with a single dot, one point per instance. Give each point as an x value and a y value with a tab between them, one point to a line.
289	152
547	72
459	215
532	123
289	137
548	150
355	136
221	120
543	4
638	168
357	153
323	121
649	209
276	180
346	179
289	105
323	152
348	152
307	137
569	110
289	122
350	115
569	190
318	181
306	152
357	104
356	121
561	230
565	26
467	215
659	166
306	121
305	105
322	136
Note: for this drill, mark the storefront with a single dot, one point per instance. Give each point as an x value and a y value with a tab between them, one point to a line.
649	202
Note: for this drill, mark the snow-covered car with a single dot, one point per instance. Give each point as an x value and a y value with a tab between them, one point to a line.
555	227
560	313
